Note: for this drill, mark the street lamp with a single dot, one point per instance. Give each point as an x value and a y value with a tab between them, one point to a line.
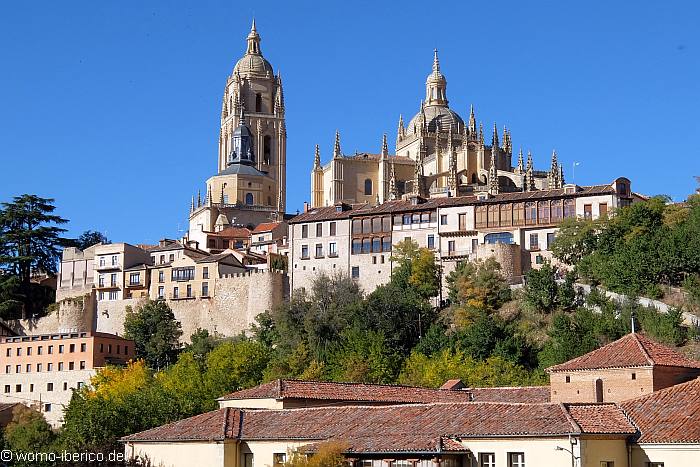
573	457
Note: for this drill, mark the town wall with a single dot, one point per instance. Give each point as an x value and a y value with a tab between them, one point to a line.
70	315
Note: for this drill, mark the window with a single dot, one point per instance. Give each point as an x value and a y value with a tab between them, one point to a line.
29	367
634	375
182	274
29	350
332	251
83	347
31	387
40	350
47	407
356	246
189	295
319	250
304	231
82	364
8	352
487	459
279	459
443	219
655	464
305	252
386	224
500	237
8	368
607	464
65	386
205	272
162	259
319	230
431	242
258	102
377	224
366	245
249	199
534	241
516	459
530	213
587	211
205	292
480	218
331	227
161	292
18	369
506	215
113	280
386	243
49	387
493	216
367	225
543	212
603	209
176	292
161	277
60	348
80	385
50	349
115	260
556	210
355	272
38	367
463	221
368	186
267	153
550	239
101	281
114	295
71	365
519	214
451	247
376	245
49	367
134	278
19	351
109	348
475	244
248	459
71	348
7	388
567	379
406	220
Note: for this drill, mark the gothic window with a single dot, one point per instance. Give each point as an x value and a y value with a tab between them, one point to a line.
267	149
249	198
368	186
258	102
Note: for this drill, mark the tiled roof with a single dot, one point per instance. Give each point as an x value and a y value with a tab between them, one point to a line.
225	258
632	350
215	426
670	415
266	227
531	394
555	193
325	213
358	392
397	428
600	418
231	232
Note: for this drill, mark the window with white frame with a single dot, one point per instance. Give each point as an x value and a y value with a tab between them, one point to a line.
516	459
487	459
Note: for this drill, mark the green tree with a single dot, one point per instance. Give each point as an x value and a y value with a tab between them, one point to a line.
234	365
541	289
155	331
201	343
90	238
30	242
423	270
478	284
28	432
364	356
575	239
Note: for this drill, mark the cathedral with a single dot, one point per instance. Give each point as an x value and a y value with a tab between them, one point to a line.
249	186
437	154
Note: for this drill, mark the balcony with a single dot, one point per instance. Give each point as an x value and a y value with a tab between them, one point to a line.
135	285
108	266
455	255
181	297
107	286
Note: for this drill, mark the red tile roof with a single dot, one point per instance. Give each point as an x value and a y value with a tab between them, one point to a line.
231	232
396	428
355	392
532	394
671	415
600	418
266	227
632	350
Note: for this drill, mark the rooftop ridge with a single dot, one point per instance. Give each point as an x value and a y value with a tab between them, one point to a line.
642	348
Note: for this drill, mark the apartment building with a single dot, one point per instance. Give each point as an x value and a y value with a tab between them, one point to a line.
119	271
516	228
191	275
42	371
76	272
269	237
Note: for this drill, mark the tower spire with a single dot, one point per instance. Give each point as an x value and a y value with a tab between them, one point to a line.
209	200
253	41
336	148
222	199
317	158
493	174
494	138
436	62
393	191
402	128
529	174
553	175
520	169
385	147
472	122
192	205
199	198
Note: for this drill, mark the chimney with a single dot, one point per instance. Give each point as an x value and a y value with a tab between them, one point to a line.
306	206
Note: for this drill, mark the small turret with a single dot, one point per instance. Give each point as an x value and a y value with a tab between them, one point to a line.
336	147
317	158
393	190
385	148
493	173
553	174
192	205
199	198
472	123
402	129
520	168
529	174
222	199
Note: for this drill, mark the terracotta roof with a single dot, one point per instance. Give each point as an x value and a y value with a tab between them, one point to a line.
555	193
266	227
323	214
600	418
231	232
531	394
670	415
357	392
632	350
398	428
215	426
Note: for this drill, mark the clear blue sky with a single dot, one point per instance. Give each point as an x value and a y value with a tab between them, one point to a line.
108	105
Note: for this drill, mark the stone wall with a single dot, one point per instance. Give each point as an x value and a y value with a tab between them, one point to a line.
507	255
71	315
234	303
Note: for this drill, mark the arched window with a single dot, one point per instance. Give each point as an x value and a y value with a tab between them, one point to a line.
368	186
500	237
267	149
258	102
249	198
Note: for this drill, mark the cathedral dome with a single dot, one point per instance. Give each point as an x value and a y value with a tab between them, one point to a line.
253	63
437	116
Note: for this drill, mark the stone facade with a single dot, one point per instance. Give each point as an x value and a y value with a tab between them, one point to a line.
75	314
